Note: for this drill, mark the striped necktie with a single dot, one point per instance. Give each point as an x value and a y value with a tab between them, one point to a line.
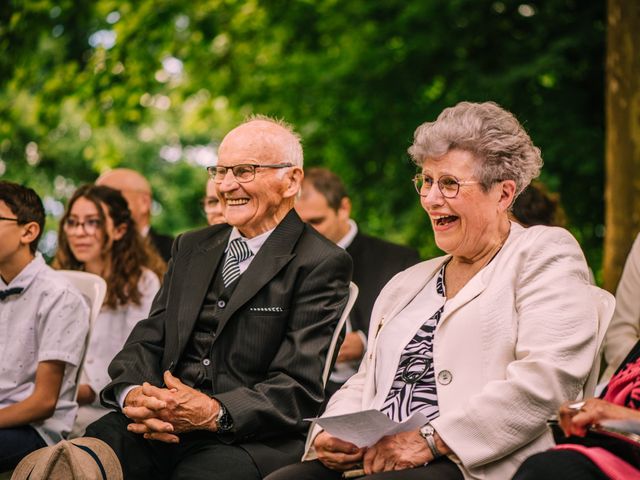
237	252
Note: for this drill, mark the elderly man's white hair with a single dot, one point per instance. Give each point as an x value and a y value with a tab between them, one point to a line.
291	148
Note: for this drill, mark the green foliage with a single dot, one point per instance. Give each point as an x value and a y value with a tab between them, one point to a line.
355	78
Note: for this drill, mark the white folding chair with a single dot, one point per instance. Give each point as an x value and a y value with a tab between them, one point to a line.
342	323
94	289
353	294
606	305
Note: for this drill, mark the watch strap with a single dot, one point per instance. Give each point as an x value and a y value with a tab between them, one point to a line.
427	432
431	443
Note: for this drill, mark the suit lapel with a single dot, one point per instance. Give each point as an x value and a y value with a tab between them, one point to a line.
276	252
202	266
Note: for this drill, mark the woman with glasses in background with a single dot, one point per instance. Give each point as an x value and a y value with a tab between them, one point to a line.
97	235
487	341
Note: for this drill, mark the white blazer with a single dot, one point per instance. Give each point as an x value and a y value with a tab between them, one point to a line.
510	347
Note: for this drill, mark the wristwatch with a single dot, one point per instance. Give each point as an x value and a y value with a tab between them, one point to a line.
427	432
224	422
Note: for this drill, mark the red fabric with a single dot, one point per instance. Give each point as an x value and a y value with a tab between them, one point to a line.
612	466
624	387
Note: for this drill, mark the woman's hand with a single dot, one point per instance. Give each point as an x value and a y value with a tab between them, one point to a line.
575	421
397	452
337	454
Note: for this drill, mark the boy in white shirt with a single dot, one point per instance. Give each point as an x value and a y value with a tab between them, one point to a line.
43	327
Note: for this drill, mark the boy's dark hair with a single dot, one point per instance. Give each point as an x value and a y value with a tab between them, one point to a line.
25	204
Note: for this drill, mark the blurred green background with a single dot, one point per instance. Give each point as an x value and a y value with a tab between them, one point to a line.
154	85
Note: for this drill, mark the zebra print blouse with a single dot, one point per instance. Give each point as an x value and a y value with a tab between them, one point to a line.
414	385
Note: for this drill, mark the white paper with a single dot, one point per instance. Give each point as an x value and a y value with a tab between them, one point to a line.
364	429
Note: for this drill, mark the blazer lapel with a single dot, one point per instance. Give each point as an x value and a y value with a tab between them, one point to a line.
471	290
276	252
202	266
406	292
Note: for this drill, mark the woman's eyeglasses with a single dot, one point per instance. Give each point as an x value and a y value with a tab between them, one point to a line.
89	226
448	185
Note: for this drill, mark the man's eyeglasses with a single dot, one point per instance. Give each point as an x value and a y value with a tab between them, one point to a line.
448	185
9	219
243	173
90	225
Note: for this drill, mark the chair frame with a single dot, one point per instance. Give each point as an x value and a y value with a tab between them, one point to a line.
94	289
342	322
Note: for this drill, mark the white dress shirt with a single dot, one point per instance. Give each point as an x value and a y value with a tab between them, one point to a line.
48	321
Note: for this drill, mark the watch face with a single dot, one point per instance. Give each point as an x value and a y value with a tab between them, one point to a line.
427	431
224	424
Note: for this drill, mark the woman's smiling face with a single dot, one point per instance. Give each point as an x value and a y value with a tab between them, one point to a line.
87	242
463	226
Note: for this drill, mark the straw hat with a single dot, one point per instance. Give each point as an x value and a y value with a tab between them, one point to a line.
77	459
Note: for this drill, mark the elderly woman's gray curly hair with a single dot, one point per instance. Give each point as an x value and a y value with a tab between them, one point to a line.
495	137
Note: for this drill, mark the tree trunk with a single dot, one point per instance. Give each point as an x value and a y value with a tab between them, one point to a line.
622	193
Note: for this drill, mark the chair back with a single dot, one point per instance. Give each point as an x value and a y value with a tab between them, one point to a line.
353	294
606	304
92	287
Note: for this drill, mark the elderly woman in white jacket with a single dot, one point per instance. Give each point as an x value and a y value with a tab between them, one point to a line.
486	341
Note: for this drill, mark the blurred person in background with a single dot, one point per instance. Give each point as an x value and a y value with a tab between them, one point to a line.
98	235
325	205
211	204
536	206
137	191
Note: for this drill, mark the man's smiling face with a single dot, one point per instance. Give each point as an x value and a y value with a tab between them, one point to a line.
259	205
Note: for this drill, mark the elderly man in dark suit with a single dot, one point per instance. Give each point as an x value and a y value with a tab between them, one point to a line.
216	382
325	205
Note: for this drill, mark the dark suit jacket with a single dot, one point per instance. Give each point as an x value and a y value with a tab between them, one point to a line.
271	342
162	243
375	261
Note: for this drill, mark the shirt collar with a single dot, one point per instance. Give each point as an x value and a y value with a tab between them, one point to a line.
27	274
254	243
345	241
